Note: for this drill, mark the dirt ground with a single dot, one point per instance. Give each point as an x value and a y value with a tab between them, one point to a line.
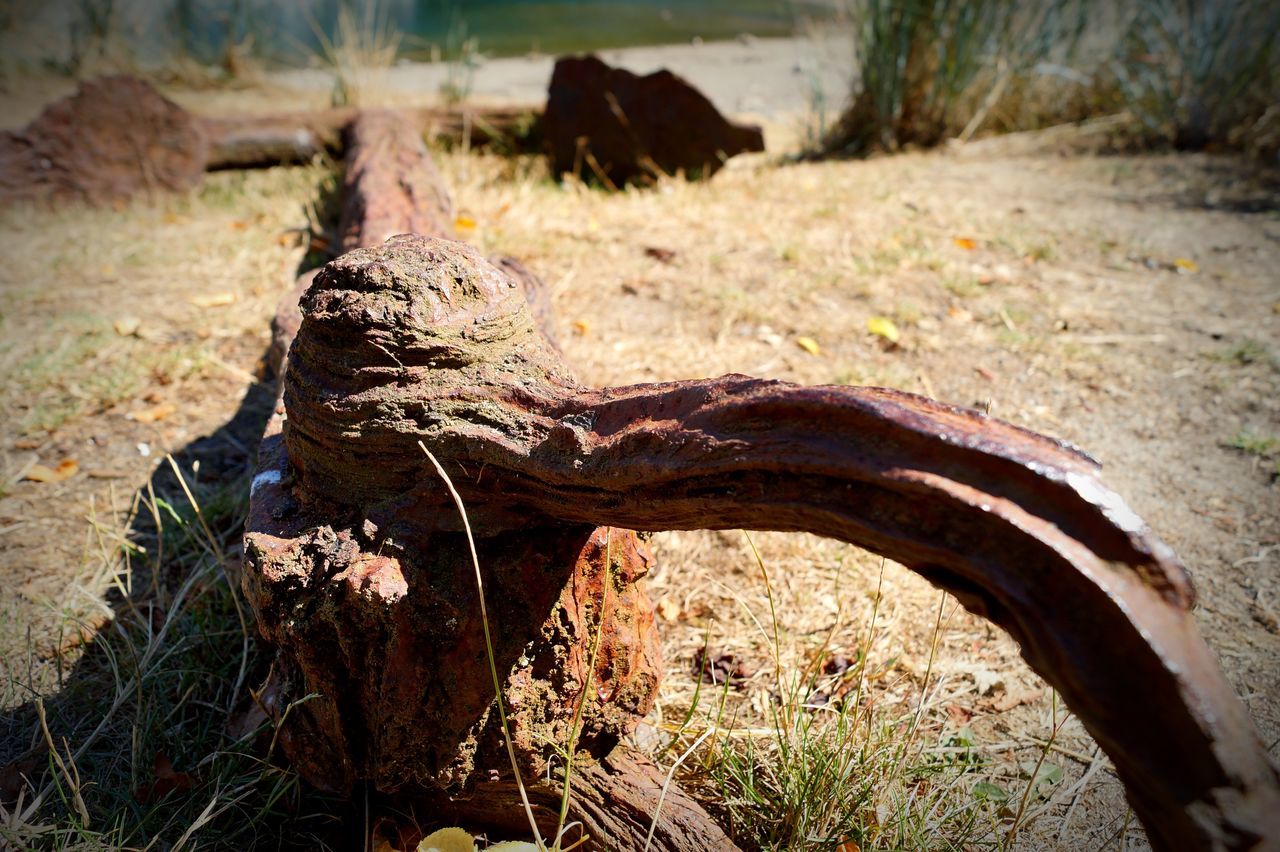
1129	304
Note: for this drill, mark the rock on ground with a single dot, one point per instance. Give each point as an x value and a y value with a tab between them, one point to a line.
618	127
114	138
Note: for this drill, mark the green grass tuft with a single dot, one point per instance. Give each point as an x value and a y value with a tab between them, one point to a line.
836	768
165	682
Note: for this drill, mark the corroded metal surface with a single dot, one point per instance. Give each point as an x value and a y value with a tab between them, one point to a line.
618	127
423	340
115	138
391	185
269	139
376	617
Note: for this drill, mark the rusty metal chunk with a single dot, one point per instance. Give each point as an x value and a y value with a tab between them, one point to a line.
610	124
421	339
114	138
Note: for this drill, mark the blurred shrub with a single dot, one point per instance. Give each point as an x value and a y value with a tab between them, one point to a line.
931	69
1204	73
1191	73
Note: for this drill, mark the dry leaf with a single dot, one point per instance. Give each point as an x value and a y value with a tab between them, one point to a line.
986	680
581	327
664	255
13	779
65	470
1016	699
126	326
153	414
808	344
167	781
668	609
884	327
848	846
448	840
81	634
966	243
1187	265
464	223
214	300
721	668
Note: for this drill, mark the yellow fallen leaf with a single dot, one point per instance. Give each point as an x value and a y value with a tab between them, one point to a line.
154	413
668	608
464	223
448	840
1186	264
127	326
214	300
884	327
65	470
581	326
966	243
808	344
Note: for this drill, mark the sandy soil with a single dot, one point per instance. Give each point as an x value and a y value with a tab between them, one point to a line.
1128	304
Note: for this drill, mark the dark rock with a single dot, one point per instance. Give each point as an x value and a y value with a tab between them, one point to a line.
114	138
609	124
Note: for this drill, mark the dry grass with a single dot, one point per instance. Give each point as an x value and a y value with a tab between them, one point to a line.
1045	317
121	329
360	53
1049	319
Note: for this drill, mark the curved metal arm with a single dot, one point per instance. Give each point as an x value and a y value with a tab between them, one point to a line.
423	340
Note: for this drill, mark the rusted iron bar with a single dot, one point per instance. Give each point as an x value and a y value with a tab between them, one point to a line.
391	186
422	340
117	137
275	138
